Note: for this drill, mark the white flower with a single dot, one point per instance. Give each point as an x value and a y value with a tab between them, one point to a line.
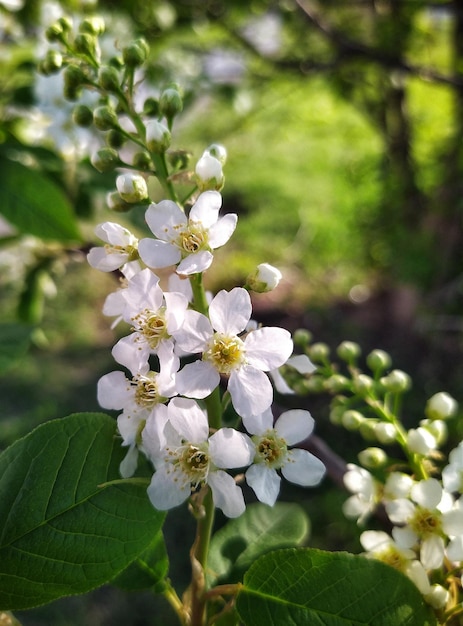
186	241
301	363
209	174
271	453
264	278
452	474
441	406
421	441
186	458
382	547
154	316
242	360
120	248
365	489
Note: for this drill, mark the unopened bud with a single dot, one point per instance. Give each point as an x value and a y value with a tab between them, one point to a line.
372	458
421	441
116	204
348	351
218	151
396	382
336	383
314	384
82	115
115	139
319	352
66	23
302	337
437	428
385	432
209	174
92	26
441	406
108	79
52	62
136	53
363	384
170	103
264	278
351	420
106	160
87	45
367	429
151	107
437	597
158	136
54	32
142	161
74	76
378	360
335	416
132	187
105	118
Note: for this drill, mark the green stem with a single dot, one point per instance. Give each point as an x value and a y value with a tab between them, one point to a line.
171	596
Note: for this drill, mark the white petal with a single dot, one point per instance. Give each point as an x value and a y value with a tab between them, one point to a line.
164	219
280	383
265	483
250	390
165	491
427	493
294	426
206	208
221	232
226	494
188	419
230	311
129	463
455	549
432	552
157	253
229	448
115	234
416	572
375	540
195	263
197	380
131	353
268	348
113	391
452	522
154	435
258	424
301	364
195	332
400	510
106	262
404	537
176	304
303	468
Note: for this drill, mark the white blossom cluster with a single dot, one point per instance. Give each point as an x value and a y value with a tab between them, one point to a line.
178	356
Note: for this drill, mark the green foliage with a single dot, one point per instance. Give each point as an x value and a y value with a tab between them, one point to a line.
148	571
260	529
14	343
308	587
64	529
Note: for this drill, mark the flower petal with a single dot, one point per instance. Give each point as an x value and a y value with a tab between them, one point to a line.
303	468
197	380
188	419
157	253
206	208
195	333
258	424
268	348
294	426
226	494
250	390
230	311
165	219
265	483
221	232
195	263
165	491
229	448
113	391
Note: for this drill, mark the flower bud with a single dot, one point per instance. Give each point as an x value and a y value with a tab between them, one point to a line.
441	406
132	187
87	45
92	25
314	384
348	351
264	278
351	420
367	429
319	352
82	115
116	204
142	161
54	32
209	173
52	62
105	118
378	360
335	416
302	337
158	136
151	107
372	458
74	76
437	428
170	103
108	79
421	441
106	160
115	139
136	53
385	432
396	382
336	383
438	597
66	23
363	384
218	151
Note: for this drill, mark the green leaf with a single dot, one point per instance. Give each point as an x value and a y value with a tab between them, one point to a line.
314	588
14	343
34	204
147	571
260	529
63	530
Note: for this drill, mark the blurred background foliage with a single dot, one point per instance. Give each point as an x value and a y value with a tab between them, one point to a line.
343	123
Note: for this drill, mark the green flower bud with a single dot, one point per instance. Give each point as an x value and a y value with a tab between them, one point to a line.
385	432
378	360
116	203
348	351
71	93
151	107
372	458
136	53
219	152
336	383
319	352
441	406
106	160
351	420
437	428
367	429
105	118
142	161
74	76
132	188
87	45
336	414
52	62
108	79
54	32
92	26
65	23
157	136
264	278
115	139
314	384
363	384
179	159
170	103
302	337
396	382
82	116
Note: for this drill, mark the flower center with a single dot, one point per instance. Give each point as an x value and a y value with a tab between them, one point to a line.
146	392
270	449
194	463
193	238
225	353
425	522
152	325
131	249
393	557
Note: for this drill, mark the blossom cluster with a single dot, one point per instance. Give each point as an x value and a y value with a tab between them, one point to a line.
179	355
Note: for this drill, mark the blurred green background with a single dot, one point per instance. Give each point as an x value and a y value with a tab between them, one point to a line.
343	123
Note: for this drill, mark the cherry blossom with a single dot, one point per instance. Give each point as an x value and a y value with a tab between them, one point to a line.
121	247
